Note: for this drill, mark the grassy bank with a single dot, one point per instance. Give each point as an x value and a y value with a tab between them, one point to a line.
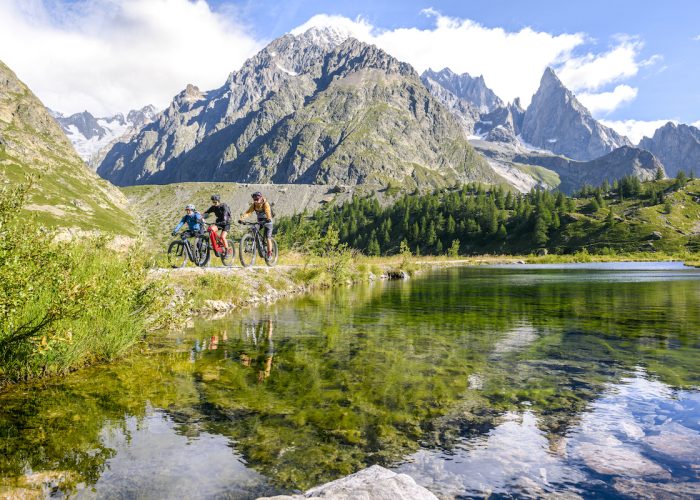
64	305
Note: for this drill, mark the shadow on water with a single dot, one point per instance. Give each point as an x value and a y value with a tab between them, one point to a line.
488	380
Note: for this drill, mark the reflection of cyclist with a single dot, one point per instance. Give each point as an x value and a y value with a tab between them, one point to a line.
264	213
223	218
194	221
264	362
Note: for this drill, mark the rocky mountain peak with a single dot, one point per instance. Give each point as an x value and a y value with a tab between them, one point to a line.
555	120
318	107
325	36
677	146
473	90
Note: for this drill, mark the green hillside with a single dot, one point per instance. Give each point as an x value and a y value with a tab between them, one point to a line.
629	216
65	193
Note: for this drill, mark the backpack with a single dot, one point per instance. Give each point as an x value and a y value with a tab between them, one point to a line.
227	213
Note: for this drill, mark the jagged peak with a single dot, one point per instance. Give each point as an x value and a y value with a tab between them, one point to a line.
549	77
325	35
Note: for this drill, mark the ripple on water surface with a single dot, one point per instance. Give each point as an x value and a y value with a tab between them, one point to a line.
514	382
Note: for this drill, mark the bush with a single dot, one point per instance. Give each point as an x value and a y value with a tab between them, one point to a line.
64	305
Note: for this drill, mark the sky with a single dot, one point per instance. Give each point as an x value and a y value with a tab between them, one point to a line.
634	64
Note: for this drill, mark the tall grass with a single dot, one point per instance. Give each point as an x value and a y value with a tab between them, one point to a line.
66	304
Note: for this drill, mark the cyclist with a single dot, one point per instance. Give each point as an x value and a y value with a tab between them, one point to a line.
223	218
264	213
193	219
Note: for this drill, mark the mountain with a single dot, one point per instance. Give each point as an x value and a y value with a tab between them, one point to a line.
677	146
527	169
313	108
65	192
471	90
556	121
466	112
503	124
89	134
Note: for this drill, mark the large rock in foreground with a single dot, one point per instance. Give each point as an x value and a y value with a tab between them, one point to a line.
373	483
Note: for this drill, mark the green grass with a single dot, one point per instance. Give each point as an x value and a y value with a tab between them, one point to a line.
67	305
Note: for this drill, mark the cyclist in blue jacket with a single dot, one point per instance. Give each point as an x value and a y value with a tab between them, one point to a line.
193	219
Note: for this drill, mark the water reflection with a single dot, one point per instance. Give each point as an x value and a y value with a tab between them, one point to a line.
626	434
489	380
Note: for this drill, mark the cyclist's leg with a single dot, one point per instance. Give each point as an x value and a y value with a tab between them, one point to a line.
267	234
224	234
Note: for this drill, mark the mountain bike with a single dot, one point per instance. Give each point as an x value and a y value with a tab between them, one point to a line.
216	243
254	243
182	250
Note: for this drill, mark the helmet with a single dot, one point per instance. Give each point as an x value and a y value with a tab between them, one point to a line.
190	207
256	194
215	197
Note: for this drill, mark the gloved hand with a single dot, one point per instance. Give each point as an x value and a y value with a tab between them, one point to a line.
240	221
267	221
173	233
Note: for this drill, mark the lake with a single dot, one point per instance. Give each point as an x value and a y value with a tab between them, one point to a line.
513	381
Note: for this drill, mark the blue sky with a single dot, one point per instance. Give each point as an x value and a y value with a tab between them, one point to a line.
634	64
667	29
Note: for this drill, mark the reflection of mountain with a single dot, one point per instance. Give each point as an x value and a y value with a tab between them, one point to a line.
370	375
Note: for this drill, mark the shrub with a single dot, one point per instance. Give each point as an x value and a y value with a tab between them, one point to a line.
68	304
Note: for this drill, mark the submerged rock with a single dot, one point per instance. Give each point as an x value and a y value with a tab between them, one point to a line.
644	489
619	460
373	483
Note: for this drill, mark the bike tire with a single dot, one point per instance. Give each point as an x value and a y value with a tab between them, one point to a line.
204	251
247	250
227	260
272	260
177	254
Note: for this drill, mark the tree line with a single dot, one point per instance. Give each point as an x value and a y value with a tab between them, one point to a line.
470	219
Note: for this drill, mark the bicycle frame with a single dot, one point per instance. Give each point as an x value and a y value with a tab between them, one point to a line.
188	247
259	243
217	243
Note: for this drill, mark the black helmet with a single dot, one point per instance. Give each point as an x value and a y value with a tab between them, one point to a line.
215	197
256	194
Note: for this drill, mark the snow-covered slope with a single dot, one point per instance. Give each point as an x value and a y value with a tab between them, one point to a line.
89	134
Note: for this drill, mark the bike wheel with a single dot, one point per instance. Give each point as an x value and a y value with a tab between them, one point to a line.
272	259
177	254
203	253
247	250
227	259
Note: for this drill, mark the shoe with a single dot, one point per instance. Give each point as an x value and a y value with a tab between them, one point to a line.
229	251
269	255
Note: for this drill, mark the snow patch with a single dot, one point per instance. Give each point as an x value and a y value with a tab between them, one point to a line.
285	70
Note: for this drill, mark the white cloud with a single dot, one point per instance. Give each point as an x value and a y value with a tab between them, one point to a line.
512	63
696	38
636	129
594	71
114	55
605	102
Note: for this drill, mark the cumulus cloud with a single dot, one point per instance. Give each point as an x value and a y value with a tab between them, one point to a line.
512	63
696	38
115	55
605	102
636	129
593	71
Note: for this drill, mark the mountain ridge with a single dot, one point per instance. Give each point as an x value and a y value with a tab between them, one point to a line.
307	112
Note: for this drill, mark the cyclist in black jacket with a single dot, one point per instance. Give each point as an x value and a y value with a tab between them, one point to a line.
223	218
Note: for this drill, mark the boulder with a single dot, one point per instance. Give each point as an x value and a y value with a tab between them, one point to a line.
373	483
